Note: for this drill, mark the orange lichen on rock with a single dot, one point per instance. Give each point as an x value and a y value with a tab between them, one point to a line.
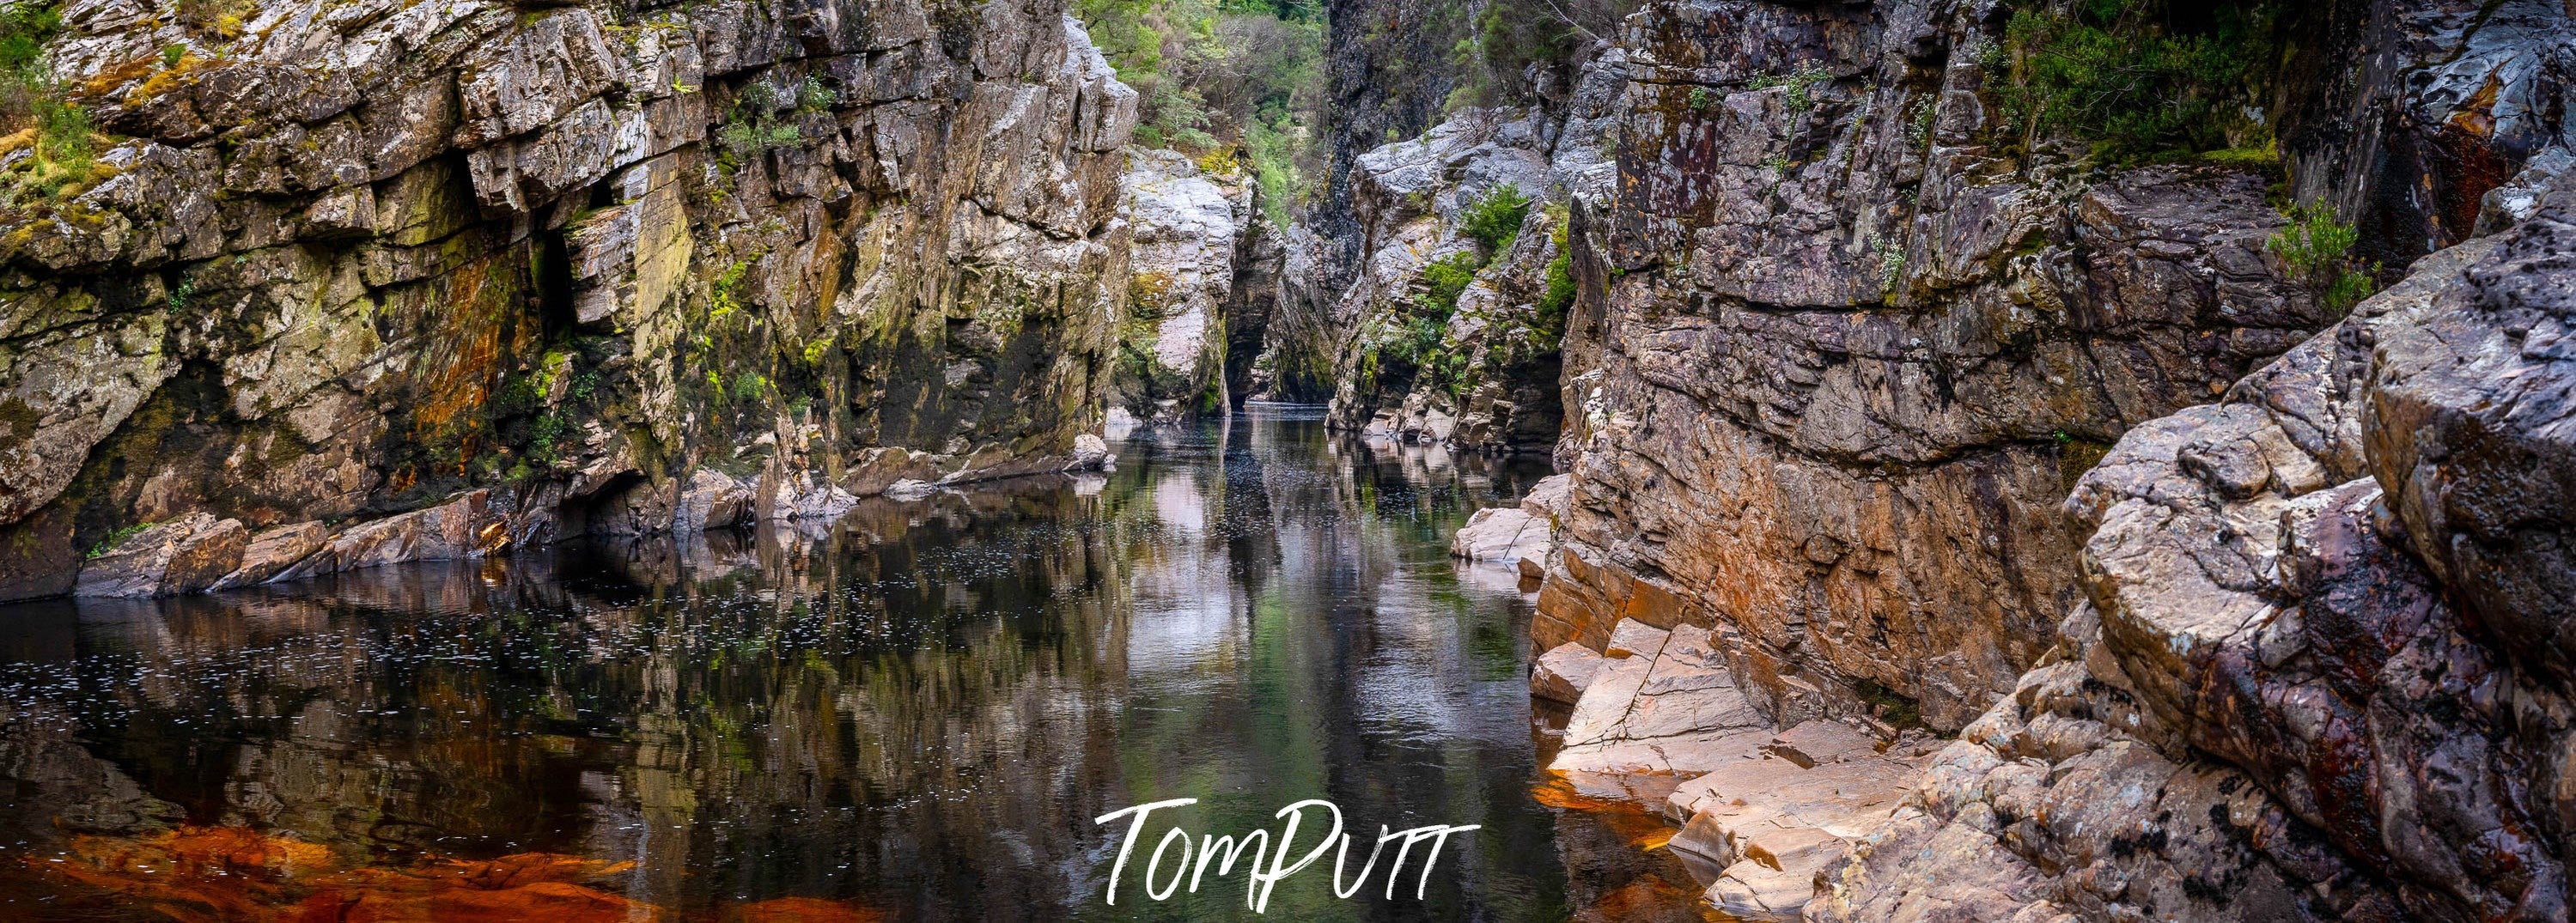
1630	820
234	873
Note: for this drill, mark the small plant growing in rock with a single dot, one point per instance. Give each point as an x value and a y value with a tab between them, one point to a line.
108	542
1891	265
2317	250
1495	220
1802	84
748	386
1559	297
1701	99
1919	125
812	96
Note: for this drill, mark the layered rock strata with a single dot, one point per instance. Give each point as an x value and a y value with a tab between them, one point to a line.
1839	354
2316	675
350	260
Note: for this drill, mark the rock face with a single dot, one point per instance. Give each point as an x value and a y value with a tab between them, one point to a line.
2313	679
1188	226
367	255
171	558
1837	357
1480	374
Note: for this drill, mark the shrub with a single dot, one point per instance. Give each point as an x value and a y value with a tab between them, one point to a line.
1495	219
2317	250
1444	280
1559	297
2122	75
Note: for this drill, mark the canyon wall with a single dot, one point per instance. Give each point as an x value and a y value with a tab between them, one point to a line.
612	268
1842	347
2319	671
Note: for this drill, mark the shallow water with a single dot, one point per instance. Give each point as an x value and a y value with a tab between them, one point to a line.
914	715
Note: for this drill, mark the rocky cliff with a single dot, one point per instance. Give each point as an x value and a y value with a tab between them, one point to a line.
1847	335
2318	671
614	267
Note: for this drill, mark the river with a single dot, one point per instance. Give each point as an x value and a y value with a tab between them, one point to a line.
916	714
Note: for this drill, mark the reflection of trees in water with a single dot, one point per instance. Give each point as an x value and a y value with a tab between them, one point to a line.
923	708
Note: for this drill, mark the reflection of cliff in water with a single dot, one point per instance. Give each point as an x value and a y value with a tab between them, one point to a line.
919	710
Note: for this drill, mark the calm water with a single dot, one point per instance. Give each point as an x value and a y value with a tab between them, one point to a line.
913	716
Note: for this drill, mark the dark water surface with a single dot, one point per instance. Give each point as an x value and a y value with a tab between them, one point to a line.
913	715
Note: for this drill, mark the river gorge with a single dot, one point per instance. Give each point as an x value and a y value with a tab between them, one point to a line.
1836	460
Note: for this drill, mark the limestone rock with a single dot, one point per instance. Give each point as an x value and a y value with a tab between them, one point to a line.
2271	708
372	246
182	556
1091	453
2468	425
1187	223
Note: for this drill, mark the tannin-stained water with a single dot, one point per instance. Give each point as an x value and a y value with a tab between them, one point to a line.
915	714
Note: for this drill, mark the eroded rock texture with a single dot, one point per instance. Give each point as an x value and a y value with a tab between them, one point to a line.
365	255
2317	674
1838	357
1172	339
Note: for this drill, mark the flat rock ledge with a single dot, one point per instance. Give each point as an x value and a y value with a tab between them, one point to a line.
1763	811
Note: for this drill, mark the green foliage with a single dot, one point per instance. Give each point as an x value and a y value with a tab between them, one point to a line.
1701	99
1495	219
1508	37
2127	76
546	438
1223	74
748	386
2317	250
763	118
109	542
180	293
724	297
812	96
65	142
1444	280
1802	84
1919	125
1559	297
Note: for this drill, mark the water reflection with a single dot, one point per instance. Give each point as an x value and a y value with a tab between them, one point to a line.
914	715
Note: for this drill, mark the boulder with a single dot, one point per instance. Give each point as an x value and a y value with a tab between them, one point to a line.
1091	453
2471	426
273	550
185	555
467	526
1501	534
711	500
1561	674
